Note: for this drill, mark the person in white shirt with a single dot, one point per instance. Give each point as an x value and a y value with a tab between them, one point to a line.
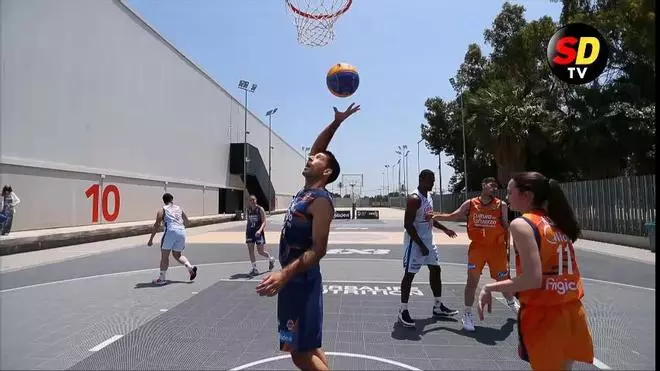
174	238
9	202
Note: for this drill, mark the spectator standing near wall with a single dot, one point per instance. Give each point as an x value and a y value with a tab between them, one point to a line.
7	209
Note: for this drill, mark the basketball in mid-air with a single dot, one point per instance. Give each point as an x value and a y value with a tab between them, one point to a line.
342	80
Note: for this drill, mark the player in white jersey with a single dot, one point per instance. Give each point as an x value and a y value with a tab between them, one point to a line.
419	248
174	221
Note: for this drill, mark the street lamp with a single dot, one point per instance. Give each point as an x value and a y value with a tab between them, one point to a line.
270	147
245	85
403	152
387	171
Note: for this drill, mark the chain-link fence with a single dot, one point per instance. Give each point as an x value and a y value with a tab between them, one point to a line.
619	205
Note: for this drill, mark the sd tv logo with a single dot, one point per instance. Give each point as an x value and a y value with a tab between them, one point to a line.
577	53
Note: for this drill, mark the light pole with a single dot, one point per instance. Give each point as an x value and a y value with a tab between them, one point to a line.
440	179
405	168
402	151
398	185
243	84
270	147
387	171
465	174
419	141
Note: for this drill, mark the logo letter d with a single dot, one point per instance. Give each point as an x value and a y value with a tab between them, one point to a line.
581	59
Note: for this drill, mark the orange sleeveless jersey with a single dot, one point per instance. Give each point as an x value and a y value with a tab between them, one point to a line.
485	221
561	275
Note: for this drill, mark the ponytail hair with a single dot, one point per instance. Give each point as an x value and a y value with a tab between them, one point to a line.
549	195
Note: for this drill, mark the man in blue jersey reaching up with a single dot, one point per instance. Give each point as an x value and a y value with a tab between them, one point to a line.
303	242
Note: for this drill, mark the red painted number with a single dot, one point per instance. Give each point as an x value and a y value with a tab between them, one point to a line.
93	192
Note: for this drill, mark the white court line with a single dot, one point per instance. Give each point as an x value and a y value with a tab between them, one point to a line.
598	363
340	354
245	262
347	281
106	343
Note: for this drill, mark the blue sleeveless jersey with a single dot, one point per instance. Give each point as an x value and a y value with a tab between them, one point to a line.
296	236
253	220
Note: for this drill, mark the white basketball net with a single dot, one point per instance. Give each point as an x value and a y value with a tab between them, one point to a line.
314	19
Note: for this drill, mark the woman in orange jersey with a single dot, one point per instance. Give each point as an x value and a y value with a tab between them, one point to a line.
552	325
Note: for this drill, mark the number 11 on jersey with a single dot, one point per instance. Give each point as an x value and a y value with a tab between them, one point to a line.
569	259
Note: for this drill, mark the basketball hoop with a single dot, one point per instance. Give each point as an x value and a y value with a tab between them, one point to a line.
314	19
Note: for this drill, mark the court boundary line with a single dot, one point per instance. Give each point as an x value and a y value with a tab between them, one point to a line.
340	354
246	262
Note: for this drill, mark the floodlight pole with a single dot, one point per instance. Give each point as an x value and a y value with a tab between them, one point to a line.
270	147
243	84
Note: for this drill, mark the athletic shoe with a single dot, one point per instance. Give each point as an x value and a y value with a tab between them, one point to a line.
513	305
468	322
159	281
193	273
442	311
404	318
253	272
271	264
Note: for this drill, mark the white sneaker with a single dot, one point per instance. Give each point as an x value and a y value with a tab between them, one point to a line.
513	305
468	322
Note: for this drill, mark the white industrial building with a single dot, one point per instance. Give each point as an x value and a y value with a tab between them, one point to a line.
99	115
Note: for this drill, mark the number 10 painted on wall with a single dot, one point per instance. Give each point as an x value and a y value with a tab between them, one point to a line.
93	192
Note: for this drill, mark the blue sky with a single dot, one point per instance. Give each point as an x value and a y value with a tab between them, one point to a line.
405	52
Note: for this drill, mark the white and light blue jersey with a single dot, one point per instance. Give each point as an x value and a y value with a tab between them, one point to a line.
173	218
423	226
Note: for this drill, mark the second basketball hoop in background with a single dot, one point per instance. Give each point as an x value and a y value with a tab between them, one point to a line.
342	80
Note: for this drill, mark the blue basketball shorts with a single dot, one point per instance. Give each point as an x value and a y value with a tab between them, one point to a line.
300	316
250	237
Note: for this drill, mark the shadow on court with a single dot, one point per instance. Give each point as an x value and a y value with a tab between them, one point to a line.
143	285
483	335
239	276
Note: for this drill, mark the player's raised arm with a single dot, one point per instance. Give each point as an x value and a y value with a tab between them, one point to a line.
324	138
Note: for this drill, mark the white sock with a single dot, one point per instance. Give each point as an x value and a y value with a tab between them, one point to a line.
271	258
438	301
162	274
468	310
511	301
404	306
254	265
188	265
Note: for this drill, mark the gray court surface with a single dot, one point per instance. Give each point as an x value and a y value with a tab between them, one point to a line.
102	313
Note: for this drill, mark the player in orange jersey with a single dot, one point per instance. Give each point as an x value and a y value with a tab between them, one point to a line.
552	325
487	227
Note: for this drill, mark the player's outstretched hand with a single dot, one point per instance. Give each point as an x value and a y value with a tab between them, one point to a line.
450	233
341	116
485	300
271	284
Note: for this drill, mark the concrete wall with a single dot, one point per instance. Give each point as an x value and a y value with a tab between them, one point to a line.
88	89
